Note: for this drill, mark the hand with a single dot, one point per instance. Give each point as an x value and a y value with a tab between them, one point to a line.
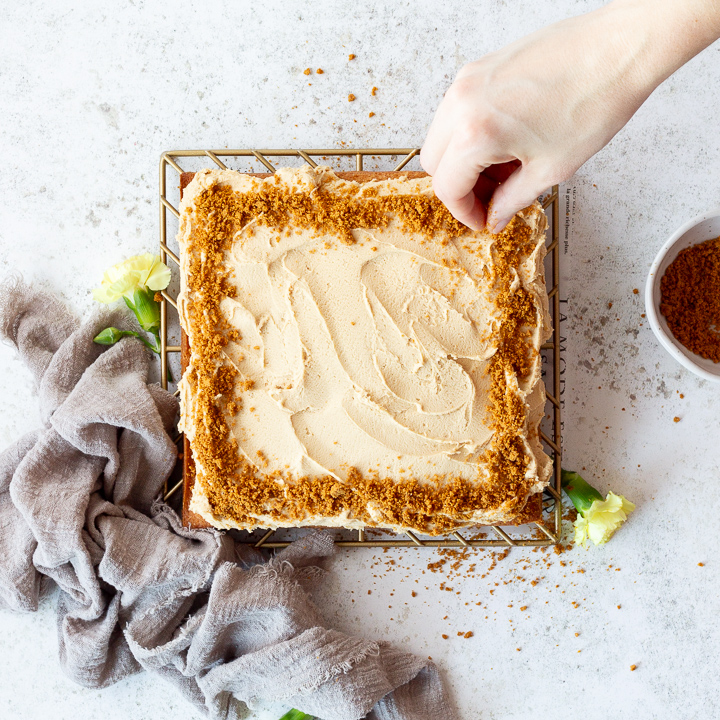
528	116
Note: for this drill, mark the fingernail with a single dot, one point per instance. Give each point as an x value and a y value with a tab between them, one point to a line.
497	225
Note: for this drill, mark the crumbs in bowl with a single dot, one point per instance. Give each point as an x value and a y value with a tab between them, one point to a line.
690	298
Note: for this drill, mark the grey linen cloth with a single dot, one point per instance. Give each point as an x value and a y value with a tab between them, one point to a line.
78	506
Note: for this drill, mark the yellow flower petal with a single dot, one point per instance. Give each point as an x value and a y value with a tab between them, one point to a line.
158	278
605	516
103	294
627	506
125	285
138	271
581	531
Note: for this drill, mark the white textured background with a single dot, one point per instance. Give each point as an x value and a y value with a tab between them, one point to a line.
92	92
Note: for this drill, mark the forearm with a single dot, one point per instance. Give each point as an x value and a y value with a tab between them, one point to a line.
551	100
665	34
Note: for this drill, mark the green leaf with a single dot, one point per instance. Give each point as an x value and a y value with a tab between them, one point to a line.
111	335
581	492
296	715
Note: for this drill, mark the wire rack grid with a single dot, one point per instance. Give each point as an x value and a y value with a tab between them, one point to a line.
536	534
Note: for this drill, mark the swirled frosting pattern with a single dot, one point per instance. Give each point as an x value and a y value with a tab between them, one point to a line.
371	355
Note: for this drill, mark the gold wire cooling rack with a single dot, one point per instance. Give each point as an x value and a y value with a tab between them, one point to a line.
536	534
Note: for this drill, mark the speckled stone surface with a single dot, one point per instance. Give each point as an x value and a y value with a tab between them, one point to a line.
92	93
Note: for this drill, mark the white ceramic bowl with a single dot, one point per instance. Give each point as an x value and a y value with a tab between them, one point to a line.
703	227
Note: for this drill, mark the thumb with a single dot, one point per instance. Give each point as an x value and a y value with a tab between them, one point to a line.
517	192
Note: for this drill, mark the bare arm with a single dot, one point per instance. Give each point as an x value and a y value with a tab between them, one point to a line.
529	115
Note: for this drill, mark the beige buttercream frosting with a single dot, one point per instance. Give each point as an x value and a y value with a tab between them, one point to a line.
367	356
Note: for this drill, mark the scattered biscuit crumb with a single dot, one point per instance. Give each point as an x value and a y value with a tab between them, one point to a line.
635	291
681	396
307	71
633	667
468	634
676	419
320	71
701	564
445	637
351	97
413	593
373	91
372	114
609	305
619	606
351	56
577	634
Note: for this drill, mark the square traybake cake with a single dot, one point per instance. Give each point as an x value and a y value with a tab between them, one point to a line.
358	358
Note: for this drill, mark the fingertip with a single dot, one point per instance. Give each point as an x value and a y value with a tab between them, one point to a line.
498	215
496	224
476	218
498	218
467	210
500	212
424	162
511	196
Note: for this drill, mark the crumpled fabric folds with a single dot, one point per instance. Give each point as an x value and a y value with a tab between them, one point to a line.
79	507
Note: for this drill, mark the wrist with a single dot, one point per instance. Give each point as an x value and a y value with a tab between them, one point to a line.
664	34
